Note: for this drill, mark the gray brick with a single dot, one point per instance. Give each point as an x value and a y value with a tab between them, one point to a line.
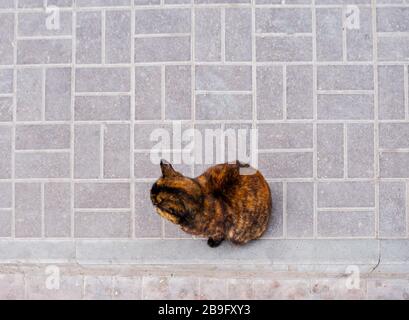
267	289
284	48
394	164
162	49
6	38
329	34
330	150
42	137
57	210
29	94
30	3
148	93
102	225
391	92
12	286
207	34
392	209
118	37
87	153
360	145
162	21
102	108
346	223
35	24
275	225
282	20
5	195
6	81
89	37
285	136
102	80
346	194
178	92
220	1
28	210
388	289
174	288
7	4
127	288
286	164
345	106
222	78
299	92
394	135
269	92
173	231
5	152
102	195
5	225
359	42
394	251
60	3
44	51
345	77
6	109
223	106
103	3
58	94
238	34
213	289
70	288
392	19
42	165
116	151
300	209
393	48
98	288
148	223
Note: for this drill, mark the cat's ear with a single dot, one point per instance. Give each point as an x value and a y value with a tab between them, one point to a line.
167	169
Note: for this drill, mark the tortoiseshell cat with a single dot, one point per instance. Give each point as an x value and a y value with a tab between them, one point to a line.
221	204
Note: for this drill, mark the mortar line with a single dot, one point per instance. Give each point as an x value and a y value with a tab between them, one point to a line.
132	129
223	34
315	139
103	35
72	121
406	89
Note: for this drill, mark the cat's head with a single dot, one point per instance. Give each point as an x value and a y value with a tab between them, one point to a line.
176	197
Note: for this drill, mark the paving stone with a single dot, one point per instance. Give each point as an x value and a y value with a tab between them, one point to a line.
89	37
330	150
282	289
28	210
116	151
269	92
148	223
29	94
42	137
6	109
240	289
102	80
282	20
346	194
44	51
103	3
393	48
329	34
6	38
5	195
57	210
5	152
162	21
220	1
69	287
285	136
223	78
5	223
345	77
98	288
7	4
148	90
300	209
391	92
162	49
393	135
346	223
118	37
394	251
359	42
11	286
127	288
360	150
337	289
286	164
170	288
392	19
388	289
35	24
6	81
238	34
102	108
178	91
102	195
87	151
299	92
207	34
223	106
42	165
345	106
102	225
146	2
281	48
213	289
30	4
58	94
275	226
60	3
394	164
392	209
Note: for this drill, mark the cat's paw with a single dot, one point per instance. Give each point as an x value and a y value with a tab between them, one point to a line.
212	243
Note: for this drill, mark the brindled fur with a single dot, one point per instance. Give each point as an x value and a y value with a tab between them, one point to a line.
221	204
